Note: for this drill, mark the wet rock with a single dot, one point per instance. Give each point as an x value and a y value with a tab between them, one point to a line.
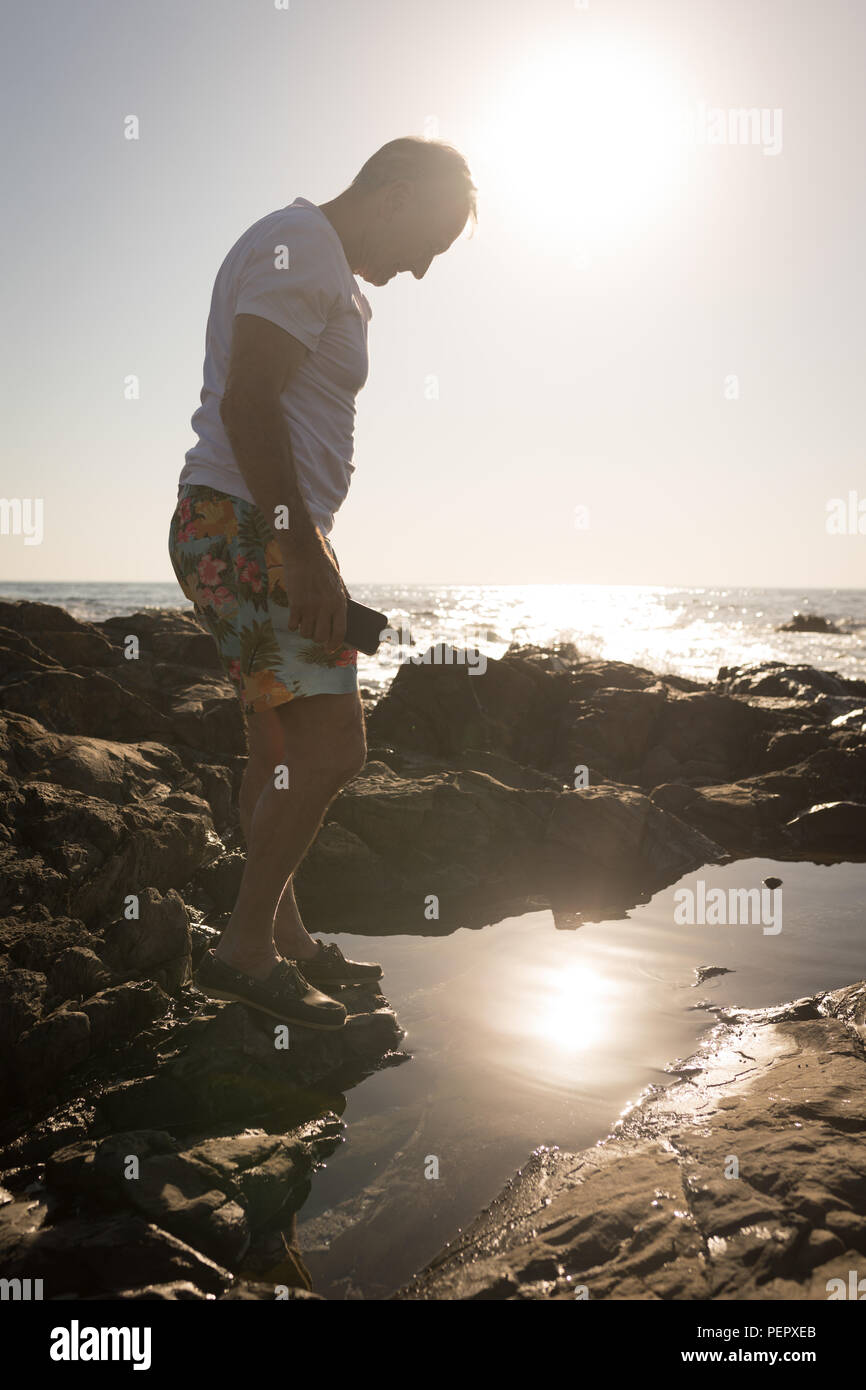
204	718
118	1013
113	771
853	721
92	855
778	678
174	1190
49	1049
220	880
605	835
77	974
67	1124
246	1290
169	636
26	617
659	1211
156	945
214	1195
90	703
443	709
93	1255
22	993
660	735
230	1065
269	1171
755	814
791	746
340	863
34	939
832	827
708	972
452	831
176	1292
808	622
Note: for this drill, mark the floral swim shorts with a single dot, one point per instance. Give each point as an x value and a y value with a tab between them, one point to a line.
227	561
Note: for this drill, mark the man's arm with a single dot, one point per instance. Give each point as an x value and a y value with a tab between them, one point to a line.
263	358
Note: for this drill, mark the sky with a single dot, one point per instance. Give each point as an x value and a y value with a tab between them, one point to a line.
644	367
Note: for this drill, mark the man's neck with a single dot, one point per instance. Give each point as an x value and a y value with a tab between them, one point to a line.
346	217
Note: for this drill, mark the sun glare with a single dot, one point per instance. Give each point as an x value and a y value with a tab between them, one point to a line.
582	143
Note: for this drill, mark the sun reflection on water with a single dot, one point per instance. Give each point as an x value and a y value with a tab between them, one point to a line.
570	1008
550	1022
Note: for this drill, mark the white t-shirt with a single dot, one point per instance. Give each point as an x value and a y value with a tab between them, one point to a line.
290	268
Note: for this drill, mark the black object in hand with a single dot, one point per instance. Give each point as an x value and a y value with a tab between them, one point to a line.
364	627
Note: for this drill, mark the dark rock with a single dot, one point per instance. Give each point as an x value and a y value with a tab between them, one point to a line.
204	718
808	622
77	974
791	746
268	1171
35	940
24	616
833	827
50	1048
93	703
89	1256
175	1191
169	636
675	797
443	709
118	1013
231	1067
708	972
86	647
156	945
178	1291
220	879
96	855
604	836
340	864
22	993
780	679
754	815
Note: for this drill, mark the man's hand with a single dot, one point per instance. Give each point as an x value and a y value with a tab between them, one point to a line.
316	593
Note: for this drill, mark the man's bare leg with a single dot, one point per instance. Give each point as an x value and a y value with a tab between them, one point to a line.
320	740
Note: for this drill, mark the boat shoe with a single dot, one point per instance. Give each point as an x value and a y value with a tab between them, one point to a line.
329	968
284	994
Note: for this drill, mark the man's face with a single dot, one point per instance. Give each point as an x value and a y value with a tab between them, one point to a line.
413	223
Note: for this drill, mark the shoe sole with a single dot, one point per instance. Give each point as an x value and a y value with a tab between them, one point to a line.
228	998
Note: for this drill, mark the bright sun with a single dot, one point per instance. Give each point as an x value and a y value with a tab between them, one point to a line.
582	143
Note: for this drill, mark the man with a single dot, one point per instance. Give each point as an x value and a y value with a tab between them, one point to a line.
285	355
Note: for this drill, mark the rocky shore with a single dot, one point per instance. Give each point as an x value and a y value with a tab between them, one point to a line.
585	785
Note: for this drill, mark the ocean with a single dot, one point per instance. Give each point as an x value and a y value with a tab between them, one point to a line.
690	632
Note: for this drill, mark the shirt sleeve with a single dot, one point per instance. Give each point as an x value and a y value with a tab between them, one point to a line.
289	279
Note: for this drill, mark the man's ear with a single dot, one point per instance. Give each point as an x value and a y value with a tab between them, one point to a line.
397	194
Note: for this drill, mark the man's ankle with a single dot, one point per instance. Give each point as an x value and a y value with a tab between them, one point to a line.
294	949
256	963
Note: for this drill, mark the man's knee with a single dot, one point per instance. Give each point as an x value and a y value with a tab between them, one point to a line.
349	746
326	733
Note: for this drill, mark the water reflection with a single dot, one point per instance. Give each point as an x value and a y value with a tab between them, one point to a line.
566	1008
523	1035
